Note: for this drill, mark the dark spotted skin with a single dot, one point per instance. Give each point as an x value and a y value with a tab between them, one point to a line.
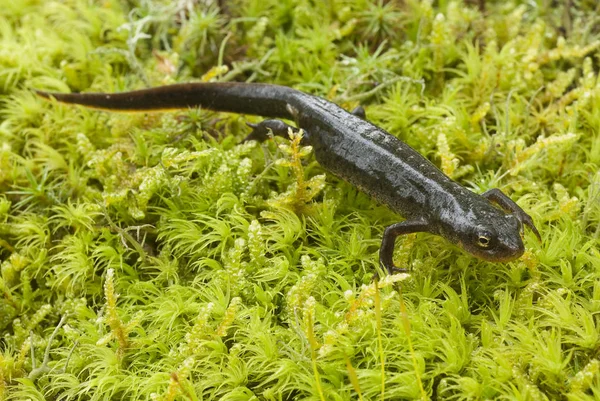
357	151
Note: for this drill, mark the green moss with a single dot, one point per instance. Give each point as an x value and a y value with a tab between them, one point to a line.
153	256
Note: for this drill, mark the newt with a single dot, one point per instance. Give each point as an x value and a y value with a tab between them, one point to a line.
488	226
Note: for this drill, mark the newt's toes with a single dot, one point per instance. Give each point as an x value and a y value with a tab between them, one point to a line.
528	221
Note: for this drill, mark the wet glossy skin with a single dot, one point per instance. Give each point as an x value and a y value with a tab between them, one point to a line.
359	152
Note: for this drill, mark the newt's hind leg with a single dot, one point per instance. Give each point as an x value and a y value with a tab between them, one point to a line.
360	112
260	132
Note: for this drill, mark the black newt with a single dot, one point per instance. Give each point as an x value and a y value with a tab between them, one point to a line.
357	151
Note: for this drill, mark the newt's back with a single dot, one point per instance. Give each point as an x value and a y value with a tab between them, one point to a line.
373	160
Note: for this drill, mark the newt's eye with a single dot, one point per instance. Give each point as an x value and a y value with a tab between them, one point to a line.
484	240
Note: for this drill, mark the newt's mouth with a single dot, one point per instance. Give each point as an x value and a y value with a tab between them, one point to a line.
502	259
502	254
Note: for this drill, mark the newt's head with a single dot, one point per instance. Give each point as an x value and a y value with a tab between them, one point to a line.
487	233
497	240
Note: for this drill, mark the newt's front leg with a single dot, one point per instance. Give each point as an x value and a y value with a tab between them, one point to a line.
386	252
501	199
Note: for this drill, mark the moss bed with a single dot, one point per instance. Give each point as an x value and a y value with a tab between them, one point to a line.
151	256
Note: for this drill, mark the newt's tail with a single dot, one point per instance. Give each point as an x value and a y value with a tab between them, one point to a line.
258	99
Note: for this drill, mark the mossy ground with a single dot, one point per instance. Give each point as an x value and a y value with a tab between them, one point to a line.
183	266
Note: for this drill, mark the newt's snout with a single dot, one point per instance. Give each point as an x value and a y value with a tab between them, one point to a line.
505	251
